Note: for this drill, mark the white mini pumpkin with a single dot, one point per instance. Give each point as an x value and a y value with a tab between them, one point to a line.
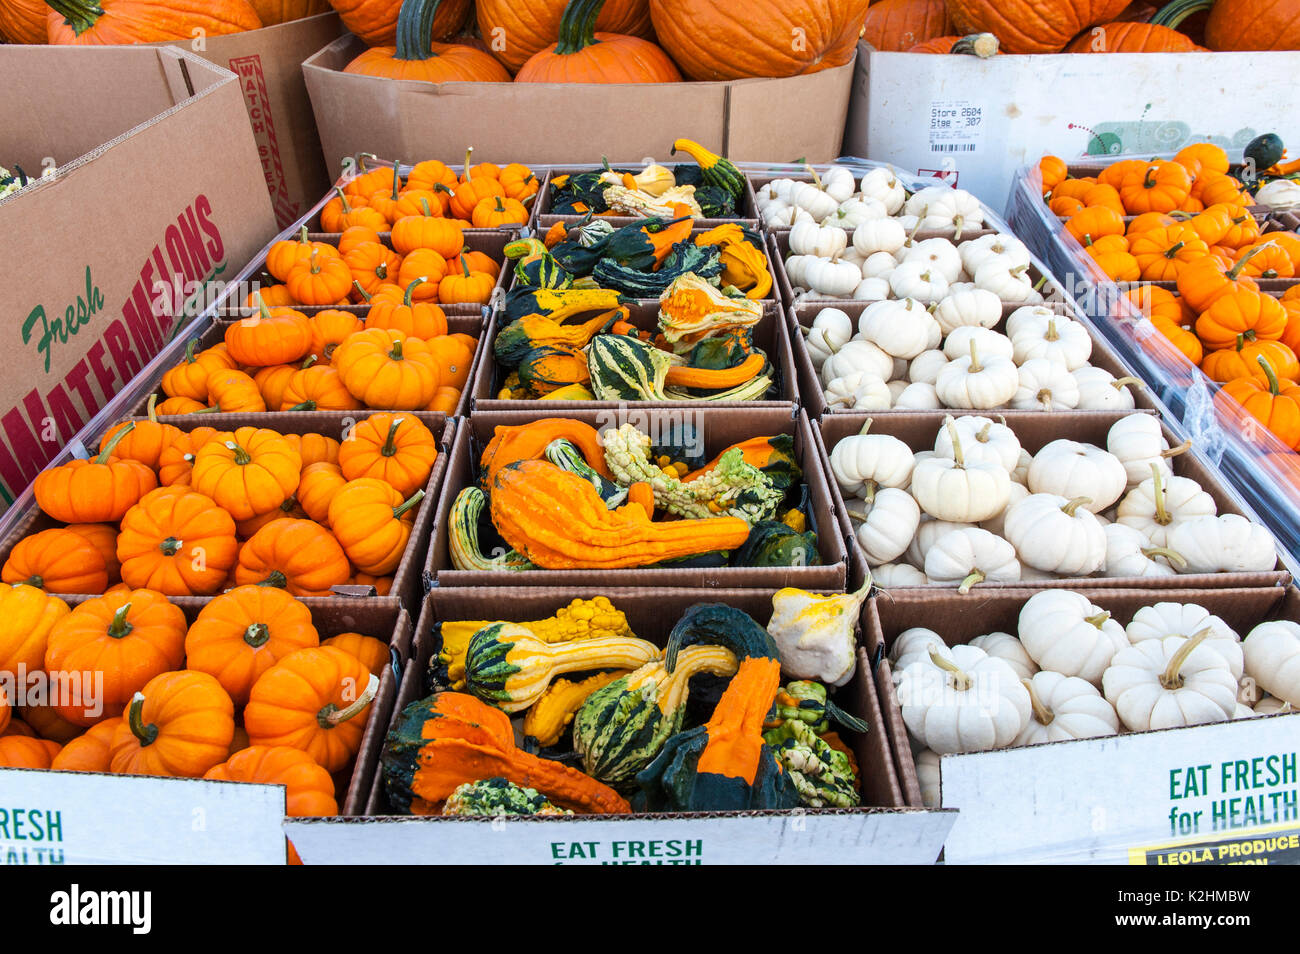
918	396
863	462
925	367
857	355
928	533
1056	535
1139	441
1077	469
885	524
998	524
1129	553
1099	390
943	208
914	644
938	254
879	265
1272	654
1044	385
1013	284
971	556
890	575
899	328
982	438
853	212
1058	339
822	241
918	280
999	246
879	235
968	306
959	490
871	289
967	702
1006	647
859	391
1065	632
831	277
1228	543
976	382
1162	620
1167	683
837	182
1156	504
1028	316
813	200
1066	707
882	185
830	331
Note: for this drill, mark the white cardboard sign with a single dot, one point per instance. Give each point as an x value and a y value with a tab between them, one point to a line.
905	836
86	818
1215	794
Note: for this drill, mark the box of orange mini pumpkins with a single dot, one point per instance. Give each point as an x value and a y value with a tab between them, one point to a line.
516	86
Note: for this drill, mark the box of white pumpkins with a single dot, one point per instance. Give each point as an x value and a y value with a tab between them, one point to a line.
1071	725
598	742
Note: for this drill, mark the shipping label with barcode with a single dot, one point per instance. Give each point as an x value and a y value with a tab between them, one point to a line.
956	127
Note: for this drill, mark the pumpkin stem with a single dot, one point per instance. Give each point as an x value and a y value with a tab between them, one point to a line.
975	366
396	352
121	627
1273	387
263	313
1120	384
961	681
464	266
1173	556
145	734
1042	713
331	716
117	439
1172	678
189	351
982	45
1173	251
1162	515
957	454
390	446
151	408
304	406
1042	280
257	635
976	577
410	289
415	34
397	183
1098	619
347	207
983	434
171	546
1182	448
406	505
276	580
1235	271
36	581
865	427
578	26
1172	14
1052	333
364	294
817	180
1070	508
242	456
424	204
81	15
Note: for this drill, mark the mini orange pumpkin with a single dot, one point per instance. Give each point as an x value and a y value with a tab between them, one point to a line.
300	556
308	788
273	336
57	561
177	541
99	490
373	523
397	449
251	474
179	725
92	751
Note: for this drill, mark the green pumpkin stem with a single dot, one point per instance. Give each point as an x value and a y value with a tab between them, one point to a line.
961	681
151	408
34	580
396	352
1233	273
1274	388
347	207
145	734
578	26
121	627
189	351
424	204
331	716
407	299
302	236
263	313
117	439
1072	507
397	180
364	294
171	546
1173	14
1172	677
976	577
242	457
304	406
1158	493
1173	252
276	580
81	15
257	634
390	446
415	30
406	505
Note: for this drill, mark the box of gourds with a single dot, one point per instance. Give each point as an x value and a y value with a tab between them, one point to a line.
626	700
970	503
1074	663
660	497
311	503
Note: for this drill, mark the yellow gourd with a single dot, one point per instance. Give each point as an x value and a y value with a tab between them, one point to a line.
551	714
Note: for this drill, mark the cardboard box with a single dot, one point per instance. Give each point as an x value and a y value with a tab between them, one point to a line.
975	122
154	163
716	429
1204	794
407	576
770	335
268	63
1036	430
878	833
801	116
95	818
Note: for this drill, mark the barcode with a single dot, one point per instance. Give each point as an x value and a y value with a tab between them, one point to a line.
952	147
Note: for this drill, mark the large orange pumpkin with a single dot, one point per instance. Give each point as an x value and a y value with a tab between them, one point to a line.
1125	37
23	21
110	22
1253	25
719	40
375	21
417	57
1024	27
584	56
898	25
274	12
516	29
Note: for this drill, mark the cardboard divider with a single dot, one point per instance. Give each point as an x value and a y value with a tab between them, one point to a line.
770	335
651	613
804	313
718	428
406	588
215	333
544	218
512	283
490	241
1035	430
779	242
951	617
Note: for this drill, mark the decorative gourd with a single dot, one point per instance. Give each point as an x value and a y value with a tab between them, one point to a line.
965	701
815	633
180	724
623	368
513	443
1064	632
549	717
440	743
1165	683
315	699
1065	707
